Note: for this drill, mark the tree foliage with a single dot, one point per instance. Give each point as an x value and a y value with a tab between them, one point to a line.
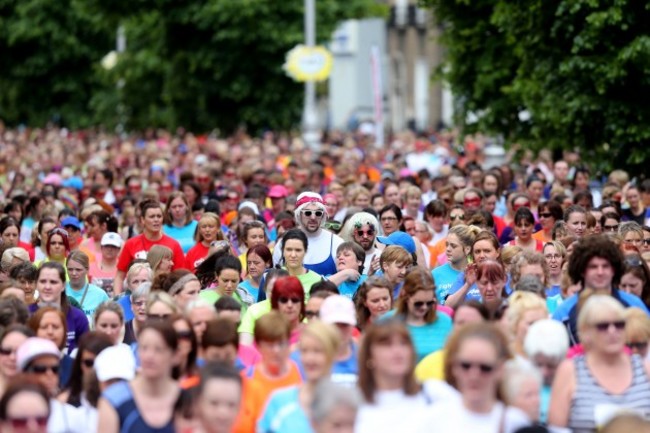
581	68
192	63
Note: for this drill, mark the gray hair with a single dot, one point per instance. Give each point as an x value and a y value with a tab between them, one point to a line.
516	372
199	303
531	283
142	291
329	396
10	254
135	269
547	337
357	221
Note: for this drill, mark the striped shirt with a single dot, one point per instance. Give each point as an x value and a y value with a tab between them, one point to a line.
591	398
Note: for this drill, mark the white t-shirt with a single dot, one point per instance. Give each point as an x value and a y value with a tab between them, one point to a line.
453	417
65	418
320	246
394	411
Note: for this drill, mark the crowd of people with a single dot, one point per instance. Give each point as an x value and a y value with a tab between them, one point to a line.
181	283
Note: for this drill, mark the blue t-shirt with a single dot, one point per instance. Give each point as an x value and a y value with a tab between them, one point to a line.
94	297
428	338
125	303
253	291
553	290
563	310
344	372
473	294
283	413
120	397
444	276
183	235
349	288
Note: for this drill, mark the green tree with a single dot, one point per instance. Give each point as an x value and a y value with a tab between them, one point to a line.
47	49
581	68
216	63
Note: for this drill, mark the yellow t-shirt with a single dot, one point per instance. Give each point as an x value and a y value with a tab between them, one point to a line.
431	367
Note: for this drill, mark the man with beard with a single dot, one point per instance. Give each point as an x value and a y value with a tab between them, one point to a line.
363	228
310	214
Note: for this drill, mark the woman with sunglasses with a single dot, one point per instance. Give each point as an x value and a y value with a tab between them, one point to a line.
288	297
57	247
604	375
146	403
10	339
474	365
416	306
207	232
151	220
550	212
393	400
25	407
91	344
610	222
188	348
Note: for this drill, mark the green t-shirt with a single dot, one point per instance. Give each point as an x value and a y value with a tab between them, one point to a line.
212	296
254	312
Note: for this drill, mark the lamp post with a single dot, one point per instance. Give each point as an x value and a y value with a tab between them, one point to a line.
309	117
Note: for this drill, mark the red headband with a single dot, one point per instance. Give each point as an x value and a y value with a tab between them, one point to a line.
309	199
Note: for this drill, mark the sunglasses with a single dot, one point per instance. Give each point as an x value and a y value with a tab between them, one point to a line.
158	316
219	244
317	213
470	201
184	335
619	325
42	369
285	300
482	367
419	304
368	233
333	225
545	215
88	363
311	314
610	228
23	422
456	217
57	231
520	205
6	351
640	345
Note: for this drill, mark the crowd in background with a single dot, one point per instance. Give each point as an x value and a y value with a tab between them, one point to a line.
179	283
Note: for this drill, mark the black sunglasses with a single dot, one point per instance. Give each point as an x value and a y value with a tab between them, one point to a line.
604	326
158	316
361	233
22	422
311	314
285	300
6	352
610	228
317	213
42	369
420	304
545	215
88	362
640	346
184	335
482	367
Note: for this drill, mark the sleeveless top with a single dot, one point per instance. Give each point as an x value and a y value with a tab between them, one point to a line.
120	396
590	397
327	267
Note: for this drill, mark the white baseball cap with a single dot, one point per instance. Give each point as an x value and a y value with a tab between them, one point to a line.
32	348
111	239
115	362
338	309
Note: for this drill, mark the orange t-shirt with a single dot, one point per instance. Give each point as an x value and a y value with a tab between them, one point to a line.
263	388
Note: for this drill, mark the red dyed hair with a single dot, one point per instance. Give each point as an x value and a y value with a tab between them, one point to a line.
288	287
57	231
492	270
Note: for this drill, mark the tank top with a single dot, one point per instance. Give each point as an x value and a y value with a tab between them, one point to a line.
120	396
589	396
326	267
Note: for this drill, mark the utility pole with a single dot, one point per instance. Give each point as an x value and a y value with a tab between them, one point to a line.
309	117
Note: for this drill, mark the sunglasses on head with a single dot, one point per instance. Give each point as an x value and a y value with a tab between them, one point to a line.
482	367
619	325
42	369
317	213
419	304
58	231
285	300
22	423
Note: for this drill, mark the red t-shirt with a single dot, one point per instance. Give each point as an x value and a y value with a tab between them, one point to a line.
195	256
137	247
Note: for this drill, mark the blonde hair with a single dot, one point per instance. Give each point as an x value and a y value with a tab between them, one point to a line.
519	304
466	234
327	335
508	254
637	326
595	304
79	257
156	254
6	263
209	216
109	306
164	298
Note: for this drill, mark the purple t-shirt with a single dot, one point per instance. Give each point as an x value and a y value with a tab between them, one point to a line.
76	322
